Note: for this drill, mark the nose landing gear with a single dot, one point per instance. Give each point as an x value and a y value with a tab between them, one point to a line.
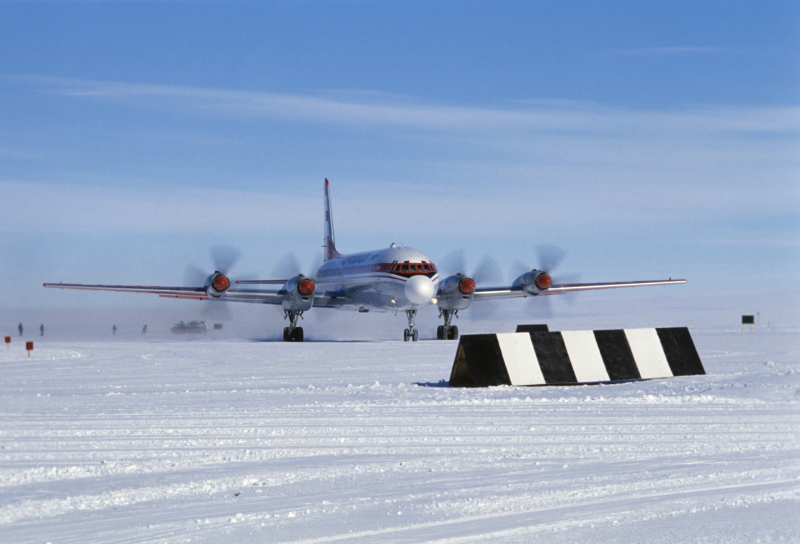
293	333
411	333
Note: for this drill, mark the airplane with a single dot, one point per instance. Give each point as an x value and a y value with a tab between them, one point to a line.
394	279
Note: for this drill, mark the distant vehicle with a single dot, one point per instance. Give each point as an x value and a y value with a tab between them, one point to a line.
194	327
394	279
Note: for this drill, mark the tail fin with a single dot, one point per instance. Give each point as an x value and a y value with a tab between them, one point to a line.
329	242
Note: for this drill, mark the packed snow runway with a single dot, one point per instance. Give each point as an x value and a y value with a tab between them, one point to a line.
213	441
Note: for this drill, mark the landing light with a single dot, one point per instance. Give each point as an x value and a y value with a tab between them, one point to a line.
434	301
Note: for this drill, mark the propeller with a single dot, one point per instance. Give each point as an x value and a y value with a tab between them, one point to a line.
194	276
224	258
486	274
549	257
288	267
452	263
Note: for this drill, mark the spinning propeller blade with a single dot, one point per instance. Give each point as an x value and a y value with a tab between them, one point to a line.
224	258
287	267
549	257
486	274
194	276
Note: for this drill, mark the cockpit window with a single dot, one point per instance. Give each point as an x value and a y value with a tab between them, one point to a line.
412	268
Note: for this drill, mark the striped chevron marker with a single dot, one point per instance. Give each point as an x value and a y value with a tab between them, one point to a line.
574	357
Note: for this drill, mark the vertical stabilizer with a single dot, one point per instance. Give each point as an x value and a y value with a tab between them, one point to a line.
329	242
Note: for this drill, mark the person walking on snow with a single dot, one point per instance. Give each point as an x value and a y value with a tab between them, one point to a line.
41	329
20	329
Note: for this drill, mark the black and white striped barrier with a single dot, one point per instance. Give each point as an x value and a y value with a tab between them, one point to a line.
574	357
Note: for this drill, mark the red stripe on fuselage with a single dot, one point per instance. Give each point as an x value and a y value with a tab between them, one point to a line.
385	276
348	271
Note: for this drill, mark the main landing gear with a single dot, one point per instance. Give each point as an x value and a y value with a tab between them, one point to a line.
411	333
447	331
293	333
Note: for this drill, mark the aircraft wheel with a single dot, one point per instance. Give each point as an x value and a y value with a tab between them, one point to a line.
415	335
453	333
440	332
405	335
286	334
297	336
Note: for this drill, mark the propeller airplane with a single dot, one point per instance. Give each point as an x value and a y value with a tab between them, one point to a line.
393	279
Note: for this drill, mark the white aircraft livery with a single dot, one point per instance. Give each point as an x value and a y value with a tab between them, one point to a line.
393	279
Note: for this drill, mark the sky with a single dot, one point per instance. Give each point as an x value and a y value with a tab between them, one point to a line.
647	139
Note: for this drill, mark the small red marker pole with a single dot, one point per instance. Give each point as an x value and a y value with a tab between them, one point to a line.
29	347
8	342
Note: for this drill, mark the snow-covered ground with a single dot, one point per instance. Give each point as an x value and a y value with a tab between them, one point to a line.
167	439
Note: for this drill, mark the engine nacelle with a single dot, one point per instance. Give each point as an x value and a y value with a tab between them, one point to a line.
216	284
298	294
534	282
455	292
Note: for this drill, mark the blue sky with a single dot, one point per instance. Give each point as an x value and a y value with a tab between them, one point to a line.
646	139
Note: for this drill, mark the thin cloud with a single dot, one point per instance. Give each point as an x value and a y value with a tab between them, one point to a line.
375	109
673	50
47	207
577	164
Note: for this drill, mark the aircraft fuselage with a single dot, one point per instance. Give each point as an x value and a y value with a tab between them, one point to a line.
396	278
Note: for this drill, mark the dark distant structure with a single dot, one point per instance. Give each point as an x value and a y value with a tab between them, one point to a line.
20	329
41	329
748	320
533	328
114	329
193	327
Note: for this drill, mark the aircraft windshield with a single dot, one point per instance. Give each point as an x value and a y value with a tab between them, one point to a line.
412	268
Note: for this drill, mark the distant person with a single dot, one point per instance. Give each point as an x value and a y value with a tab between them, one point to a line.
144	329
20	329
41	329
114	329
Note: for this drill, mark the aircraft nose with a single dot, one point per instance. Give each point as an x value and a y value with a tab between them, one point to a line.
419	289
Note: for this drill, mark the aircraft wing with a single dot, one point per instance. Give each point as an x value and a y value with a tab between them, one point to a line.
253	296
494	293
261	296
195	293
